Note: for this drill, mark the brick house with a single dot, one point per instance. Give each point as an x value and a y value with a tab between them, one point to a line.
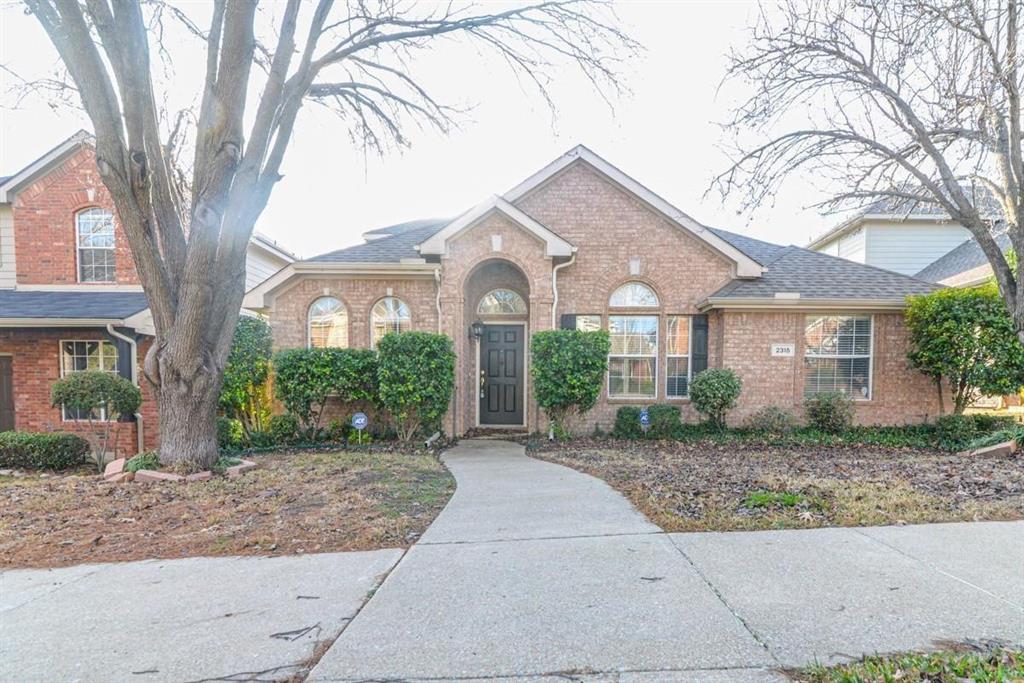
70	297
580	244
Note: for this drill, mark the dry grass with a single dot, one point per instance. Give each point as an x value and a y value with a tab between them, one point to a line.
712	487
293	503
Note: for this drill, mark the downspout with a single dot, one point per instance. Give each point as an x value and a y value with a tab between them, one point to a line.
139	422
455	389
437	298
554	288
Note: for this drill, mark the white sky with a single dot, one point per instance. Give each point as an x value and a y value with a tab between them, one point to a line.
665	134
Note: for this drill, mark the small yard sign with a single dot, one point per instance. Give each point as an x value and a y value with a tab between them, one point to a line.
645	419
359	422
784	350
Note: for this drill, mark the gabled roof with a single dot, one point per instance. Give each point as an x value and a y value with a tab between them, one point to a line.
391	248
399	228
70	305
554	245
745	265
961	259
800	277
10	184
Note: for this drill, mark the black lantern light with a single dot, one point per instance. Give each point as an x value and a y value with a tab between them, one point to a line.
476	330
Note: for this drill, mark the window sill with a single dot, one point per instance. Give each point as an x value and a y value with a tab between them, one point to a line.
631	400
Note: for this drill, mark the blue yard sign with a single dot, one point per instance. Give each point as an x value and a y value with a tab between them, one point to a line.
359	422
645	419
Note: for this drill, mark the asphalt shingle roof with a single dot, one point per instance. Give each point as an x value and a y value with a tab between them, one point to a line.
967	256
814	275
101	305
790	269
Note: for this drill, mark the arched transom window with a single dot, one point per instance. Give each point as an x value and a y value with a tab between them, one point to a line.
328	323
94	233
390	314
501	302
634	295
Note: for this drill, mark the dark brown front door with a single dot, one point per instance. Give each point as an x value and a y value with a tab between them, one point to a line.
501	375
6	393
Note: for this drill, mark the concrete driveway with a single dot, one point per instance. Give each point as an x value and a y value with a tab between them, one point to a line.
538	572
532	572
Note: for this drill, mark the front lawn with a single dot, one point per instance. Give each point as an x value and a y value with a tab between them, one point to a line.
996	666
292	503
706	486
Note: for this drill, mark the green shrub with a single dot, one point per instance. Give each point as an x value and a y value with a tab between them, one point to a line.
954	432
986	422
146	460
230	435
772	420
245	393
305	379
1015	433
829	411
416	374
283	429
567	368
43	451
261	439
91	393
665	422
714	392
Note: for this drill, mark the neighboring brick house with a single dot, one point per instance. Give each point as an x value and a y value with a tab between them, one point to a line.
70	297
581	244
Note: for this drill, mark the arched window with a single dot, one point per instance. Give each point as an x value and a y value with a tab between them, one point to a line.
633	295
94	238
501	302
390	314
328	323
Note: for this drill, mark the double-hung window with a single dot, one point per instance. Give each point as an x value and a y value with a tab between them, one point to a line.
94	232
837	355
79	356
677	356
633	361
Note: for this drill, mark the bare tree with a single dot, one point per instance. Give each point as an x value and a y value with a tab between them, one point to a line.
913	101
188	232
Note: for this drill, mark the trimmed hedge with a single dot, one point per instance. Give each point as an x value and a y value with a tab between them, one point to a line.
416	372
43	451
666	422
714	392
568	369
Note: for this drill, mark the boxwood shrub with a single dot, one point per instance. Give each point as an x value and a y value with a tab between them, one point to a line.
416	375
44	451
567	368
714	392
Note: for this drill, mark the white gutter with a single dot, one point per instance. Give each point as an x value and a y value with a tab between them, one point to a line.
140	424
554	288
437	301
58	322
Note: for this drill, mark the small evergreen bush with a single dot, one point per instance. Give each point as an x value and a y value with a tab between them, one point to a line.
146	460
567	368
772	420
230	434
283	429
665	422
42	451
830	411
102	398
714	392
416	376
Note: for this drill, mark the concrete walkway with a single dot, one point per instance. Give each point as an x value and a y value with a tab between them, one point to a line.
532	572
538	572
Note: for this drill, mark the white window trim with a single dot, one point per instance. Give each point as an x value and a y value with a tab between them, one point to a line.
309	323
79	247
871	352
656	356
688	356
373	322
63	372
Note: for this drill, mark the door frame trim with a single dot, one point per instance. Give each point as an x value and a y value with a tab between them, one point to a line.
526	376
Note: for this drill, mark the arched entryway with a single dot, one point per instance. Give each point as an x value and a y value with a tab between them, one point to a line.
497	301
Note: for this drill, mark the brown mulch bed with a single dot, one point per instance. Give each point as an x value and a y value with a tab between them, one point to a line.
708	486
292	503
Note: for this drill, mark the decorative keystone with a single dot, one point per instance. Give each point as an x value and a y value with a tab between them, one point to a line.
114	468
999	449
153	475
240	468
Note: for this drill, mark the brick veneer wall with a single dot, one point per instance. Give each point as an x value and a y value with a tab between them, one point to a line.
44	223
36	366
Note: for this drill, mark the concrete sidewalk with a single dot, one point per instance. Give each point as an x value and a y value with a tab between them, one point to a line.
538	572
533	572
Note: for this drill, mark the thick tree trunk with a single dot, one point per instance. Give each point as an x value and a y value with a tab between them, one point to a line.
188	425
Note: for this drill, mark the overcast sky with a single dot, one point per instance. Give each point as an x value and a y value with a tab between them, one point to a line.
665	134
